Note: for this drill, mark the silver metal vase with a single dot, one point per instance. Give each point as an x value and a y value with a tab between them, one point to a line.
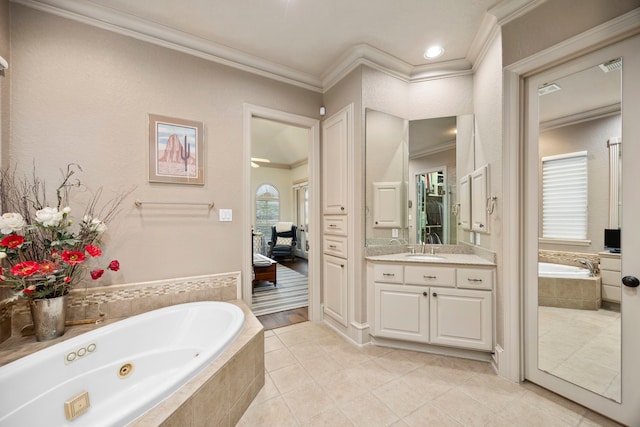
48	317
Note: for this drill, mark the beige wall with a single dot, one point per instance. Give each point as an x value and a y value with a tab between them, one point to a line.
82	94
5	76
555	21
487	105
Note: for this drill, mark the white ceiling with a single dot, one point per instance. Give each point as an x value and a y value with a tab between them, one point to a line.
307	43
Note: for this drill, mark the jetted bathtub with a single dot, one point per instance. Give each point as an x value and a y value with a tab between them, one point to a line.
114	374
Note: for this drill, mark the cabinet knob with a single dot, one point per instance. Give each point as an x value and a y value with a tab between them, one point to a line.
434	294
341	208
426	294
341	265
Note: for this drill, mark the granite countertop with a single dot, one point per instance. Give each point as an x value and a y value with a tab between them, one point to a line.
431	259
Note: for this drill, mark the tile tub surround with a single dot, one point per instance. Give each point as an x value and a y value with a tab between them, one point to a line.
563	292
314	377
220	394
120	301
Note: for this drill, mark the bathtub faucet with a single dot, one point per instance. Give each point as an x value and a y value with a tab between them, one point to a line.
589	265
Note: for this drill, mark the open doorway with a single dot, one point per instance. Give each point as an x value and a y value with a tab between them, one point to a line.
279	280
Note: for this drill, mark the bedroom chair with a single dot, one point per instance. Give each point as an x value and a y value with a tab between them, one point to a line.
283	241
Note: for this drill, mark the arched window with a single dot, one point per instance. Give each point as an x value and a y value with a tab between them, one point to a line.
267	208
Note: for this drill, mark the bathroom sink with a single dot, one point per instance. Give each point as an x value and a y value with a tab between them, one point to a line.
424	257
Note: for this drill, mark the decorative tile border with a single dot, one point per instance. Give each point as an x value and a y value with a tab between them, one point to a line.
119	301
566	258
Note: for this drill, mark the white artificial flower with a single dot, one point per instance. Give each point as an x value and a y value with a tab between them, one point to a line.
49	217
3	255
98	226
11	222
66	210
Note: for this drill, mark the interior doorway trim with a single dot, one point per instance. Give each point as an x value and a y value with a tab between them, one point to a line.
511	365
313	125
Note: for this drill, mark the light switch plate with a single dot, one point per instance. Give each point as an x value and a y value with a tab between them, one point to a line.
394	232
225	215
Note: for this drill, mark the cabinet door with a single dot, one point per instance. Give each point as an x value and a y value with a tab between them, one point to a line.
335	143
479	217
465	203
401	312
335	288
461	318
387	205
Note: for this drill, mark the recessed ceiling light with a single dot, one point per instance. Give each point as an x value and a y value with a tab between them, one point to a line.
258	159
434	52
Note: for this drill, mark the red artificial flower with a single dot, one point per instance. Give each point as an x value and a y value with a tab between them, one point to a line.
26	268
93	250
28	291
73	257
96	274
12	241
47	267
114	265
67	279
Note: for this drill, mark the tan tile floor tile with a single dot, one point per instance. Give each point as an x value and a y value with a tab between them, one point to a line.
462	408
317	378
369	411
279	359
308	401
331	418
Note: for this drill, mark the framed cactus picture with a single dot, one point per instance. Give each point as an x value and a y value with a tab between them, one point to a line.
175	150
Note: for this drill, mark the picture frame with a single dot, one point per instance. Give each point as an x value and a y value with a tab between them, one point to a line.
176	149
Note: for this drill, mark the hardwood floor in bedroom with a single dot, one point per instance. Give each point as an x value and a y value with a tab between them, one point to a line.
288	317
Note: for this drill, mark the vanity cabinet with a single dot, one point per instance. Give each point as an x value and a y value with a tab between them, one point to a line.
461	318
433	304
402	312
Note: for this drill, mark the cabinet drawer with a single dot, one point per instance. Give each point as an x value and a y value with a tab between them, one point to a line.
610	264
335	225
612	278
611	293
428	275
474	278
389	273
336	246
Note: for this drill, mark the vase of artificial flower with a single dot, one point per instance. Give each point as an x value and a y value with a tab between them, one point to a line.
48	316
44	252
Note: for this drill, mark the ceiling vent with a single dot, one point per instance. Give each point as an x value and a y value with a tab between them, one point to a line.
614	64
548	88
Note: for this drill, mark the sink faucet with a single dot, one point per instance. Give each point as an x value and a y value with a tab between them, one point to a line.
589	265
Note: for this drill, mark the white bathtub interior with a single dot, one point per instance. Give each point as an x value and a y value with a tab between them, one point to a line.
164	348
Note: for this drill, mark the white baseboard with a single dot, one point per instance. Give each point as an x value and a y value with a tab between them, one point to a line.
496	357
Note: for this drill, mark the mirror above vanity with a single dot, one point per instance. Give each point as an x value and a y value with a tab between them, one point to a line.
411	178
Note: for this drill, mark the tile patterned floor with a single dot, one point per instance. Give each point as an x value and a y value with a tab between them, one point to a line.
316	378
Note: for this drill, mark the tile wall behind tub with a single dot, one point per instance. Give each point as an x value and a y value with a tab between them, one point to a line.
119	301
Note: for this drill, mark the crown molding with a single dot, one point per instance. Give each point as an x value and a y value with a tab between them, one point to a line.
583	116
106	18
508	10
433	150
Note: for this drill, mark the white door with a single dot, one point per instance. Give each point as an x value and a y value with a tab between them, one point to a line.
597	365
301	193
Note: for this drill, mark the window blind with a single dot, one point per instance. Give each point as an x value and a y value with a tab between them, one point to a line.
564	196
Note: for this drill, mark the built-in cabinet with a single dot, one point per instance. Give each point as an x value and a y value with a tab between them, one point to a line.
441	305
610	273
475	201
336	215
